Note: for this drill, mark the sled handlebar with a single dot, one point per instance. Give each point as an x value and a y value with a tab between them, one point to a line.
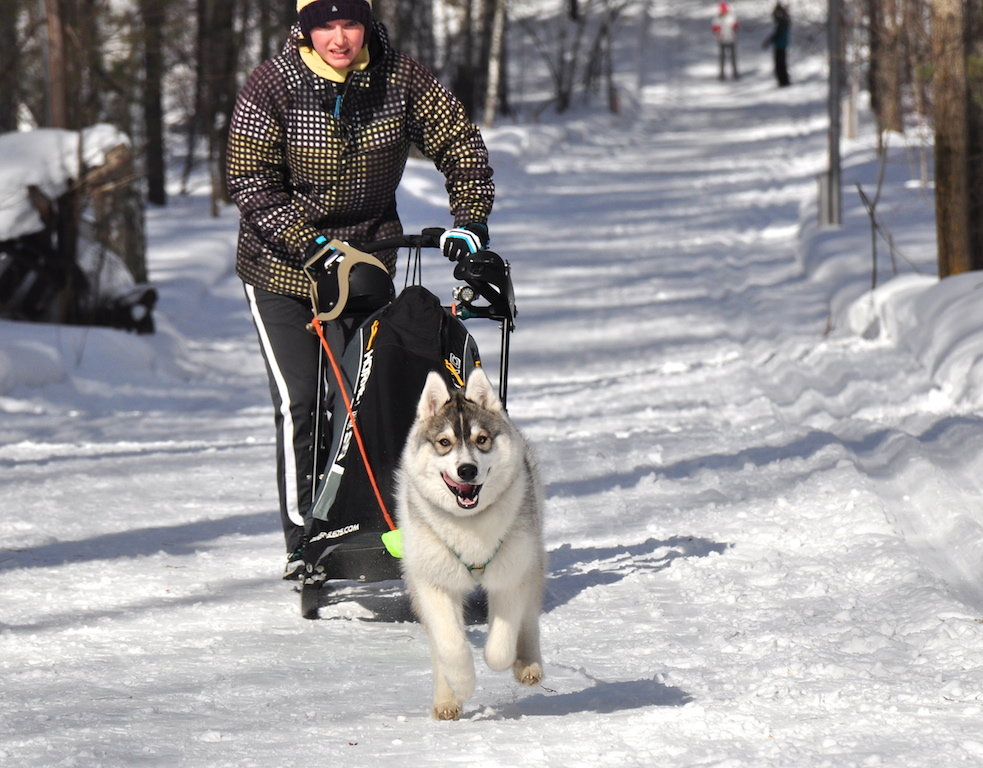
485	272
428	238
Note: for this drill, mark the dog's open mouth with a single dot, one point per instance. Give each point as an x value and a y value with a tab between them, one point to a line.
467	494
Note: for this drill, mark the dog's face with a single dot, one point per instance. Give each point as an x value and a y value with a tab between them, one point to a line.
465	445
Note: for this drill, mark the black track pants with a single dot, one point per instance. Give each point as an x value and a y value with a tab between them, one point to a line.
292	355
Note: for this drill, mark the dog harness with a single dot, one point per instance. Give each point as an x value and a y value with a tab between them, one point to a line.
474	569
477	570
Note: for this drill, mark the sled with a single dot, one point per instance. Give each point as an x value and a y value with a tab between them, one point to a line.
350	533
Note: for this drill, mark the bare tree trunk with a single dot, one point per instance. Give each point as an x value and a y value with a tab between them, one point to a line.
951	139
269	30
974	113
218	49
483	45
66	207
919	50
600	64
614	98
886	64
570	43
468	52
410	26
495	62
9	65
198	124
86	94
463	62
154	17
57	116
504	82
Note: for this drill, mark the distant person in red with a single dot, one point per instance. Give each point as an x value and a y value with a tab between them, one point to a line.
725	30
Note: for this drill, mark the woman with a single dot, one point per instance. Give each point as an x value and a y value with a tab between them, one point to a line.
318	142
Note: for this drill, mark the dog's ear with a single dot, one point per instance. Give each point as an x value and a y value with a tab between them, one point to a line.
435	394
480	390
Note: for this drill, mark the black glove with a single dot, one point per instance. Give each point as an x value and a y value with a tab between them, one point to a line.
315	247
459	242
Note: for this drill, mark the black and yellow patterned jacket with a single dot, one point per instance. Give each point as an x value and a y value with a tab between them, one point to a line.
295	170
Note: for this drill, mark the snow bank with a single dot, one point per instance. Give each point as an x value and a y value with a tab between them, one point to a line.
50	159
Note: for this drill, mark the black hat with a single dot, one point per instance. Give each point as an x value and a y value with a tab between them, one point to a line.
315	13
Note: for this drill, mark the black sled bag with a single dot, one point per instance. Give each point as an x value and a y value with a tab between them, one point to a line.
383	368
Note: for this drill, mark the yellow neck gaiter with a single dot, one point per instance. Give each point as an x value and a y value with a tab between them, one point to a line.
320	67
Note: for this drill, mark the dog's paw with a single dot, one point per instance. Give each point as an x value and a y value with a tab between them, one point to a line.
528	674
447	710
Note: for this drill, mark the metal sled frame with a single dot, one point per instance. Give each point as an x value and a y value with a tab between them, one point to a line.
487	293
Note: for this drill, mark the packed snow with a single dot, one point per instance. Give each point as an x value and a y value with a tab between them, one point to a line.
763	478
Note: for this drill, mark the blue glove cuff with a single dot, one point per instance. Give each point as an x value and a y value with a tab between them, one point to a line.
481	230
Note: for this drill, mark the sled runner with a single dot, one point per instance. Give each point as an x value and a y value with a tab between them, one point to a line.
396	341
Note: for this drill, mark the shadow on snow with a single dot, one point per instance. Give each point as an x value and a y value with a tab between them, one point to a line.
602	698
175	540
571	572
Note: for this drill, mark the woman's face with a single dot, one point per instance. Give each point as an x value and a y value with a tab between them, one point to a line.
338	42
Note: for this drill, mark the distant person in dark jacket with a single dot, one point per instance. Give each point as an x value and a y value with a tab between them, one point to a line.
778	40
724	28
318	142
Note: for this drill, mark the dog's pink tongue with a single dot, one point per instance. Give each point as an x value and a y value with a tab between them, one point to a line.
466	493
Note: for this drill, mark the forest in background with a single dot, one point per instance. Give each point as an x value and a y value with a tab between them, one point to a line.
167	75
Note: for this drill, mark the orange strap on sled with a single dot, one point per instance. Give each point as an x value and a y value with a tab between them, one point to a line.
316	324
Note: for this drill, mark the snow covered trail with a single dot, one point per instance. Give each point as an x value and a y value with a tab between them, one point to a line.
763	537
832	588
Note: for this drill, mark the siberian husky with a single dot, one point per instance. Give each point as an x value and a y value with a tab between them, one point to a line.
469	506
